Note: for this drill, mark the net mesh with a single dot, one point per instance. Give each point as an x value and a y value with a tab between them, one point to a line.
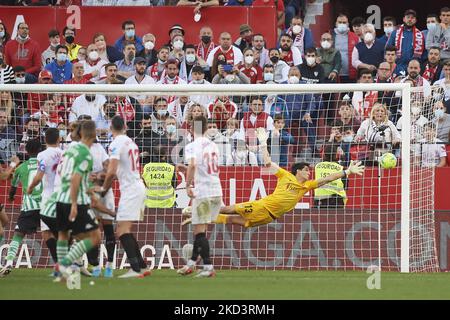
304	126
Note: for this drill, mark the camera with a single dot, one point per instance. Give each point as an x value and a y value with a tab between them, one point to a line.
227	67
381	129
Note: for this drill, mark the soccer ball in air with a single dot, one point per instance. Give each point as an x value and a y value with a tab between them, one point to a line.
388	161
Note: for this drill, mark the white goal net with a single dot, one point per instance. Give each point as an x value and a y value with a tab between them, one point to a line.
383	218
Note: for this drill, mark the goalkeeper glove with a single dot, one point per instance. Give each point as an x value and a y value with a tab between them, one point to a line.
262	136
355	168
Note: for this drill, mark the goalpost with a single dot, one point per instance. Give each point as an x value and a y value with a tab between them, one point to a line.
390	224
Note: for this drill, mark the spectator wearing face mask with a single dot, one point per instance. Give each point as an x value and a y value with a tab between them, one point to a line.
311	71
213	133
389	24
178	47
21	77
189	61
198	78
439	36
432	22
23	51
441	120
418	121
330	58
149	53
233	76
280	68
50	53
369	53
302	37
159	115
129	35
250	68
344	41
69	34
61	67
233	55
86	104
94	64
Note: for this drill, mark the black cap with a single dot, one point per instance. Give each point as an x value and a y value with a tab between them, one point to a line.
138	60
410	12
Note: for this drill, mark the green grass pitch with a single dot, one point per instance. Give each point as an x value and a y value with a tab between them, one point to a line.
250	285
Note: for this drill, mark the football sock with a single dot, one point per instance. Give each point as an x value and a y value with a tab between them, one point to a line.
51	245
129	245
221	219
142	263
1	238
77	251
204	247
62	247
195	249
14	247
92	256
110	241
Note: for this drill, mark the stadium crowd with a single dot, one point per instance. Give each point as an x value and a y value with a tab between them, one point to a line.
299	124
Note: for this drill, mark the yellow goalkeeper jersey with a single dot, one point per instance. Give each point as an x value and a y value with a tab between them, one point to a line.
287	193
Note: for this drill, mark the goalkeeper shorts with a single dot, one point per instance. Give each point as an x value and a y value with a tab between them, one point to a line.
254	213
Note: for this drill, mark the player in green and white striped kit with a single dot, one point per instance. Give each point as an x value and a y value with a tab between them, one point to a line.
29	219
73	201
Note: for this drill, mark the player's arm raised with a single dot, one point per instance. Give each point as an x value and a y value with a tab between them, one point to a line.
353	168
8	171
262	135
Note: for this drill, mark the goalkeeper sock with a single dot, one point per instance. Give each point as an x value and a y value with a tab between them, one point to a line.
62	247
77	251
221	219
110	241
92	256
51	245
14	247
1	238
129	245
204	248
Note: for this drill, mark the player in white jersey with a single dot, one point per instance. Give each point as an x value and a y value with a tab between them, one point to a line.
48	161
101	161
124	162
203	186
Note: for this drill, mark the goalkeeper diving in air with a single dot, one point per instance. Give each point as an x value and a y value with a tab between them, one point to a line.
291	187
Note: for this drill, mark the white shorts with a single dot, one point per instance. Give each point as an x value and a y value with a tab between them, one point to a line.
44	227
132	204
205	210
108	202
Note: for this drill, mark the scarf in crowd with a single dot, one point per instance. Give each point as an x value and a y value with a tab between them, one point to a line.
299	39
418	41
429	72
201	50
